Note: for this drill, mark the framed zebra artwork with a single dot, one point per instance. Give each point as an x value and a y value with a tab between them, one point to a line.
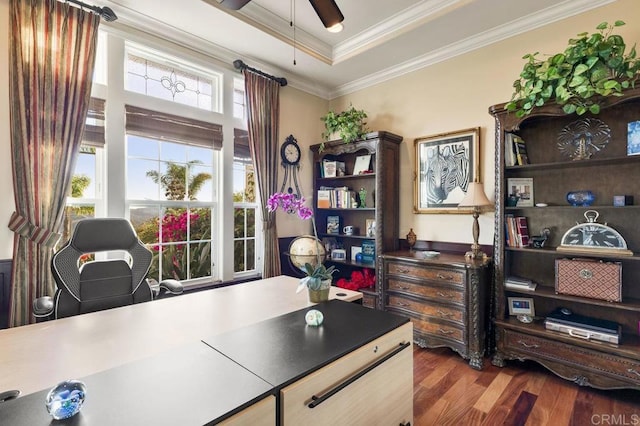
445	165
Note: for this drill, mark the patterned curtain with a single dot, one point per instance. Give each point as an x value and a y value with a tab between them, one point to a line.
263	111
51	61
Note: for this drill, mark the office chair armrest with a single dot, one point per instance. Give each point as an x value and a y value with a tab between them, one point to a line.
171	286
43	307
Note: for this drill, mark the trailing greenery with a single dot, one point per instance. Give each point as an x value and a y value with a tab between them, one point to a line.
348	124
592	64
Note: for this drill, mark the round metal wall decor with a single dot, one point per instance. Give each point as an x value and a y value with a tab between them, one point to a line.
582	138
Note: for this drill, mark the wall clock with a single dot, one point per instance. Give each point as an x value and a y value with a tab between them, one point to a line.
593	237
290	155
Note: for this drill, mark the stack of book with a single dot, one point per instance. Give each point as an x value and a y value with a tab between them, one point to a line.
336	198
517	283
516	231
515	150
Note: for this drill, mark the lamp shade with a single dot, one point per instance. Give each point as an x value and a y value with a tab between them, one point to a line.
475	196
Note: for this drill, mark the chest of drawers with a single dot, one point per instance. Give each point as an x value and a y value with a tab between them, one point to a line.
446	297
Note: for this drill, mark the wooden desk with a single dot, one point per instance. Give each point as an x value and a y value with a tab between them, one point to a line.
37	356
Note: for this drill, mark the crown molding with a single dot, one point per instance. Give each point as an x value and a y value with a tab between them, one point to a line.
550	15
130	21
394	26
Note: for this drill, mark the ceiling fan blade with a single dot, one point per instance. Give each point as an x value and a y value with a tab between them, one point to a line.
328	12
233	4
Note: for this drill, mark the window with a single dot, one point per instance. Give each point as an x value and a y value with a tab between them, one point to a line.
171	176
86	196
245	206
163	78
239	109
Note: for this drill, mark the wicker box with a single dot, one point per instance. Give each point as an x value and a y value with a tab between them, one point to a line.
589	278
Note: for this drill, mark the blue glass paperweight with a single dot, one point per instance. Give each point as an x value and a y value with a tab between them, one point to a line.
581	198
65	399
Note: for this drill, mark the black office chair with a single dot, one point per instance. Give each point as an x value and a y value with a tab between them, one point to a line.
101	284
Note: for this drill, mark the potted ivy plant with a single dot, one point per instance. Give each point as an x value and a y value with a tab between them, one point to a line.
349	125
592	64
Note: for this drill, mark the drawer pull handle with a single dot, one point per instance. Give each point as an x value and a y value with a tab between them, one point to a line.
402	304
445	314
446	295
317	400
523	343
404	287
403	270
445	332
633	371
445	277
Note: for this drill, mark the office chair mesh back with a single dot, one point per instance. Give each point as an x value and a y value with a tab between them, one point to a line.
99	285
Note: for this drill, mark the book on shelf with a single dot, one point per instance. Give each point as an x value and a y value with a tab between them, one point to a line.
324	198
333	168
509	150
368	251
516	231
520	148
333	224
518	283
522	228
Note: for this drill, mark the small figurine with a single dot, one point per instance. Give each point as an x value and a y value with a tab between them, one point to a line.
411	239
539	240
363	197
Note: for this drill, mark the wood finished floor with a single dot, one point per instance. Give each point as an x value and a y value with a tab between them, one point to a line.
449	392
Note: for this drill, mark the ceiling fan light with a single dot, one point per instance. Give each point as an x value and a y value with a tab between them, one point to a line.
328	12
336	28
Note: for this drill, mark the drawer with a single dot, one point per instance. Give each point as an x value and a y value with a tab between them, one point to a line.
262	413
450	313
427	326
445	276
368	300
600	363
441	294
383	394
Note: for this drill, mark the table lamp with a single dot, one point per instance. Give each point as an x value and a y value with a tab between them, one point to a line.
476	198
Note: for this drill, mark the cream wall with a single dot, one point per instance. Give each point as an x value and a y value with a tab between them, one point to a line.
455	95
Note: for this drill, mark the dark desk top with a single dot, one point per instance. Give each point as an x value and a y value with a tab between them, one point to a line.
193	385
283	349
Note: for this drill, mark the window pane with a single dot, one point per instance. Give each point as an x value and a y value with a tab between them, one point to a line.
251	223
201	154
142	147
140	180
238	256
200	183
200	224
200	259
174	225
251	255
174	152
238	219
174	263
145	221
83	181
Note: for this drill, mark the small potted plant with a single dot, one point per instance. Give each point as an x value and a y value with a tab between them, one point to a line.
349	125
318	277
592	64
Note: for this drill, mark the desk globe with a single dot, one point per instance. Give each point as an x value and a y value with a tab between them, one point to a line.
306	249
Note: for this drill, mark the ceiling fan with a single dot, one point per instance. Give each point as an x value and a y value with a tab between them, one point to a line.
327	10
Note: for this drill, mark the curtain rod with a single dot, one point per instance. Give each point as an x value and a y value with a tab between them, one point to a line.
105	12
239	65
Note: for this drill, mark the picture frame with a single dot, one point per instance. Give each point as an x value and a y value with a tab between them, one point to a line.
333	225
523	189
338	254
458	155
370	228
354	251
633	138
521	306
362	164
